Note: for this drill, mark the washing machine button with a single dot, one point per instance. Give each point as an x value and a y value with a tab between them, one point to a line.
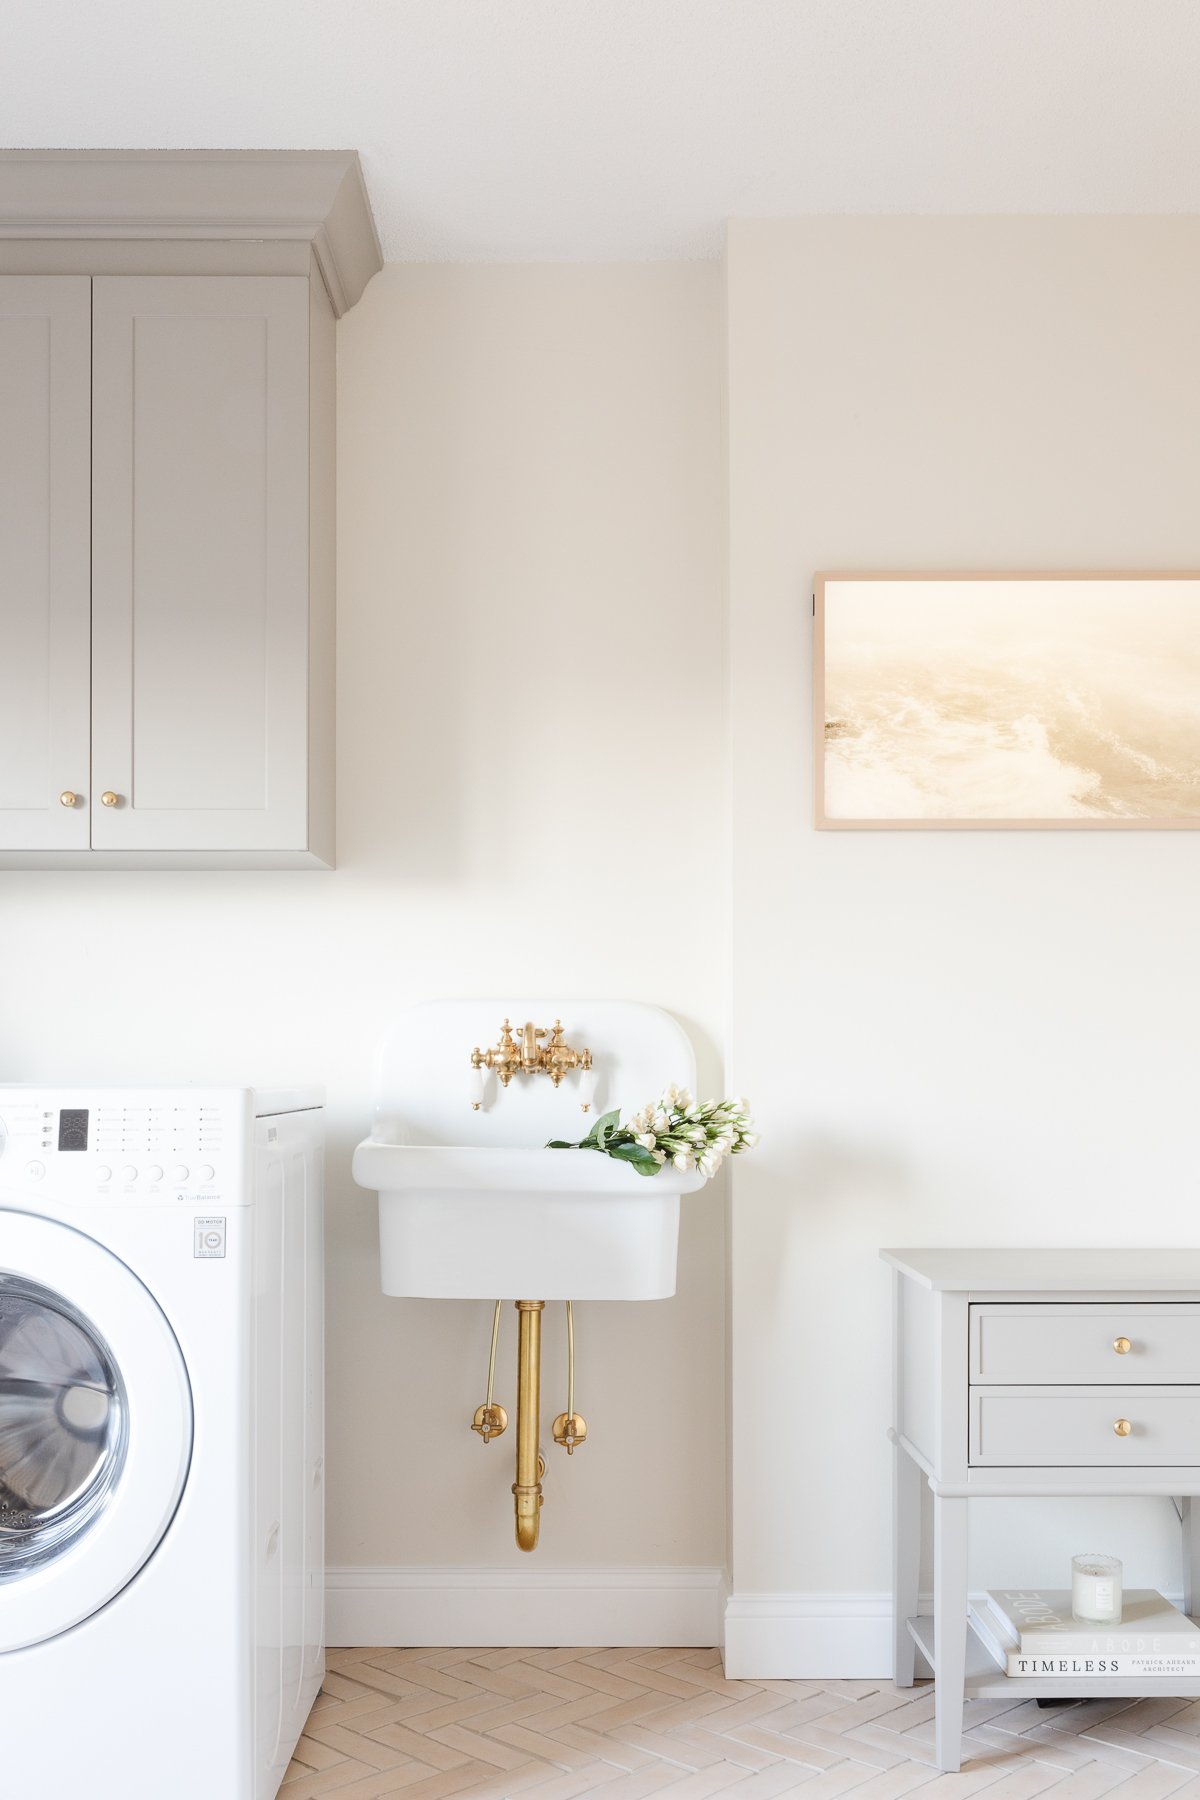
205	1172
180	1172
35	1170
129	1173
103	1174
154	1173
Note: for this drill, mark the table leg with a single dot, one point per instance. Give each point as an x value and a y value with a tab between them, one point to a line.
1190	1514
950	1627
906	1560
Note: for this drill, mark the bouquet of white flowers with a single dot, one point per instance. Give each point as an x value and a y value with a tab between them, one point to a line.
672	1130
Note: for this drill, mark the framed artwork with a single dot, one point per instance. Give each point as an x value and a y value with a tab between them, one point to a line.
1033	702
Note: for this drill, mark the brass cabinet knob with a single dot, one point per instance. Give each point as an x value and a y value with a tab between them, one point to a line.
67	798
1122	1427
108	798
1122	1346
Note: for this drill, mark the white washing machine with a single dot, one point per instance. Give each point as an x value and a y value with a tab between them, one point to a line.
161	1427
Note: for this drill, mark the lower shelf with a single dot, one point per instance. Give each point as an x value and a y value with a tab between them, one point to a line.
987	1681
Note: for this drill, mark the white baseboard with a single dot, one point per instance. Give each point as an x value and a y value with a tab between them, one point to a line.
781	1637
796	1637
533	1606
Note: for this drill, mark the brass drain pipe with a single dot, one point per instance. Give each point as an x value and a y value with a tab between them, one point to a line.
527	1488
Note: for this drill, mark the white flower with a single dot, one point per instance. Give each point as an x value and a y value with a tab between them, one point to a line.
674	1129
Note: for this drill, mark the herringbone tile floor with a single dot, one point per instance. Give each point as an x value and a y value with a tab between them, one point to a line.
555	1724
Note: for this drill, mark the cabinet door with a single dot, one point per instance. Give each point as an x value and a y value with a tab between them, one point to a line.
200	562
45	352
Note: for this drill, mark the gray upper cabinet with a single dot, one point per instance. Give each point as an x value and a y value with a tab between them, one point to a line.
200	579
167	424
45	470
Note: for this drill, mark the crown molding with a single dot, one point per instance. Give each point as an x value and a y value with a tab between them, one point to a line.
316	197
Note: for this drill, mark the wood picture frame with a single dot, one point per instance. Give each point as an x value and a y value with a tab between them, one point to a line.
1065	702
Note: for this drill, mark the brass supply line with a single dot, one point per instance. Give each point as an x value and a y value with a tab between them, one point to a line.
491	1420
527	1488
570	1427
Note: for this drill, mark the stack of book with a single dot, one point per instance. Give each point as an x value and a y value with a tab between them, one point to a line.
1032	1631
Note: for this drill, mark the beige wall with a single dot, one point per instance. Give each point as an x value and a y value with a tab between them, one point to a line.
530	780
949	1037
973	1037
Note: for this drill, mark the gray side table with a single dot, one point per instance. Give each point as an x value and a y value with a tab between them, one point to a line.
1026	1373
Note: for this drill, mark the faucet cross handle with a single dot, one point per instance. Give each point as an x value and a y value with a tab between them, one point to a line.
570	1430
490	1421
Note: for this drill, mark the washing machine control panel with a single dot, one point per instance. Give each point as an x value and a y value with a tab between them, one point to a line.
151	1146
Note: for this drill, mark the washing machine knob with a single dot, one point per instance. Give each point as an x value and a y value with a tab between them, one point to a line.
205	1172
103	1174
154	1173
129	1173
179	1172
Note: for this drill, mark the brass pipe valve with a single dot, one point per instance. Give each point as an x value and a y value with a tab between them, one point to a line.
570	1427
490	1419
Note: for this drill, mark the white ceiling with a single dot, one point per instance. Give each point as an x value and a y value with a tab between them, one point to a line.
524	129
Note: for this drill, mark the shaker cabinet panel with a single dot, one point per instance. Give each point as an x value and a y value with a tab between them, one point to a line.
45	330
200	538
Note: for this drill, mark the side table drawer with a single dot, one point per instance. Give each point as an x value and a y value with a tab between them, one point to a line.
1061	1344
1044	1427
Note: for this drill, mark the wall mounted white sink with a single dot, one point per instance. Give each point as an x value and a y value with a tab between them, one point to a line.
471	1204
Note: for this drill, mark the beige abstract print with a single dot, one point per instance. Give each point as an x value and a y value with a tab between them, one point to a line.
1073	700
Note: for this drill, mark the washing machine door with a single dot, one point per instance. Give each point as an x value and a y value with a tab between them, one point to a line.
95	1427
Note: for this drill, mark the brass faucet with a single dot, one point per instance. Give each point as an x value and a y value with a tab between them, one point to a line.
531	1057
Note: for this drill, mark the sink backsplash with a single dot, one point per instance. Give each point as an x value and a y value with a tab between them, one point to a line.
422	1075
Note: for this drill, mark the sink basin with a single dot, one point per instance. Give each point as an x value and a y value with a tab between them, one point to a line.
457	1222
471	1204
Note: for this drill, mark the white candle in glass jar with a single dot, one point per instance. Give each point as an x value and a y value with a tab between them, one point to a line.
1096	1589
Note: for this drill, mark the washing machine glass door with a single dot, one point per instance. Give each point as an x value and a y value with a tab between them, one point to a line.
95	1427
62	1424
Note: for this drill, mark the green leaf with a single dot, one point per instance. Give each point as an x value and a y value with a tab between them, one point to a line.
561	1144
637	1154
603	1129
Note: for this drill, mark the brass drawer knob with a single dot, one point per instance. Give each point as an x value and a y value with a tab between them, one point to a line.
108	798
1122	1346
1122	1427
67	798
